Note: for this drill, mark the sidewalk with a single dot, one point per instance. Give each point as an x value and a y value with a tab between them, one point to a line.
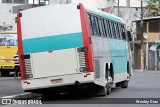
139	70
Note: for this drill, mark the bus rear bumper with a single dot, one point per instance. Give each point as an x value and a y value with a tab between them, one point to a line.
58	81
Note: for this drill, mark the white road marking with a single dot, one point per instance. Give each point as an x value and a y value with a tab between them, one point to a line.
14	96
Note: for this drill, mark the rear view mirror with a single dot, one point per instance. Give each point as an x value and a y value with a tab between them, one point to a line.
123	35
129	36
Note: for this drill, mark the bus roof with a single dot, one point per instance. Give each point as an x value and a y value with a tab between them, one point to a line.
90	9
104	14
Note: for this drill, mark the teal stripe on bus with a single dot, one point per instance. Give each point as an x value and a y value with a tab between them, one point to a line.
54	42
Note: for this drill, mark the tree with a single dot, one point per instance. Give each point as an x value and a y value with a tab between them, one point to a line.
153	7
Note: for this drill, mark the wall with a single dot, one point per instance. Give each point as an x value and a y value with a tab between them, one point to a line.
59	1
94	3
129	14
6	15
132	3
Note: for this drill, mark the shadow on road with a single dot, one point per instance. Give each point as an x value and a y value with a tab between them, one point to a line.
10	75
75	96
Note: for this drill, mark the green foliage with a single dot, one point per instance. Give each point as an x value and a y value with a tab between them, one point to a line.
153	8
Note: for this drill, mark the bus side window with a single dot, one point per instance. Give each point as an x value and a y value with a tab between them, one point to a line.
103	28
110	29
116	30
119	31
93	23
90	25
97	26
100	27
113	30
106	29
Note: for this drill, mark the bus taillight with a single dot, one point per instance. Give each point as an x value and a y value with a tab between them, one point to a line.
82	49
82	69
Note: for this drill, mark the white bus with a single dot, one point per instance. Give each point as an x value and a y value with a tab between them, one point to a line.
71	47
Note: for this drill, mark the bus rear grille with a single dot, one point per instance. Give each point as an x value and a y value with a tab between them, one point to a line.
81	59
97	69
26	64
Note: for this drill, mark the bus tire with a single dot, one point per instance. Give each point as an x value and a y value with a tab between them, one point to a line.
124	84
109	78
104	91
101	91
109	88
109	84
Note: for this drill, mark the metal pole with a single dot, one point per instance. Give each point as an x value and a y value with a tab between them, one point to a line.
118	8
142	47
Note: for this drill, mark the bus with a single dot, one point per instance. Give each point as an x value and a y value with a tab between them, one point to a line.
70	47
8	48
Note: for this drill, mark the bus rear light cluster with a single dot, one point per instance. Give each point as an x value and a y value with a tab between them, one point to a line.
87	74
83	69
27	76
82	49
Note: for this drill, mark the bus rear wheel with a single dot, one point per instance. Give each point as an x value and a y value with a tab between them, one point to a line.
124	84
109	79
109	82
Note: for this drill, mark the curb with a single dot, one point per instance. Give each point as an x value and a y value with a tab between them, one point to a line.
147	71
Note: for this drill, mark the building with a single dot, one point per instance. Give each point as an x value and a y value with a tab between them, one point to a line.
151	29
9	8
129	10
126	3
94	3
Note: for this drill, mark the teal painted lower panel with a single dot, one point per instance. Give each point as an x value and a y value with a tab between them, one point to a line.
55	42
118	47
119	54
119	64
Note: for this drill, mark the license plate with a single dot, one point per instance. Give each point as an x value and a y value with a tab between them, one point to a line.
57	81
7	60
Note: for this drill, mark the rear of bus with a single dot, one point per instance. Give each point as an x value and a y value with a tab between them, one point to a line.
8	48
54	48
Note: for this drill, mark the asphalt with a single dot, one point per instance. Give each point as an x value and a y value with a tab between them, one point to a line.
10	86
142	85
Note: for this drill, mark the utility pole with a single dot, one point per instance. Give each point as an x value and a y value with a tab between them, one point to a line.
118	8
142	47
